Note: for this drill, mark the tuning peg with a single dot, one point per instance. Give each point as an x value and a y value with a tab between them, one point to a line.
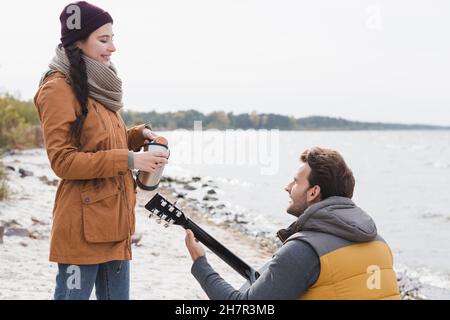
168	224
153	212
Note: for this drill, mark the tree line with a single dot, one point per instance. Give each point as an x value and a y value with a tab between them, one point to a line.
222	120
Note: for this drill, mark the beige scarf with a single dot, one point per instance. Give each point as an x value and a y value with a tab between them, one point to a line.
104	84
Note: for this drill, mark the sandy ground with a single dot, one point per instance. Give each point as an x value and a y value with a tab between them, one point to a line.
161	264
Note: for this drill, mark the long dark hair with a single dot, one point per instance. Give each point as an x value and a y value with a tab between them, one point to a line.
79	83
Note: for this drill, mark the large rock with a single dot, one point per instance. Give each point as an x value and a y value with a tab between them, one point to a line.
136	239
209	198
36	235
25	173
36	221
10	224
189	187
53	182
166	179
18	232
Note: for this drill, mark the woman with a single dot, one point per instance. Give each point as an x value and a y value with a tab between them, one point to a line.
91	150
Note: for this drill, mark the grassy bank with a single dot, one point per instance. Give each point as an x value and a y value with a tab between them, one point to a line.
19	129
4	191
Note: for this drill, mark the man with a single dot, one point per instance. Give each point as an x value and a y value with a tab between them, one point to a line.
332	250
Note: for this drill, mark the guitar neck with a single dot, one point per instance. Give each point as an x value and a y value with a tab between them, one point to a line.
220	250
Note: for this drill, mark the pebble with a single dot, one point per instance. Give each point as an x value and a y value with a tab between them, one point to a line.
25	173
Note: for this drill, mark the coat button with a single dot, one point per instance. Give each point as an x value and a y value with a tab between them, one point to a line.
118	125
87	200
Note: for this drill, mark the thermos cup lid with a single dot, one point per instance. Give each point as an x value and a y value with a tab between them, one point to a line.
161	140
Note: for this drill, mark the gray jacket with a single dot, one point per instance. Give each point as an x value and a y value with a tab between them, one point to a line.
295	267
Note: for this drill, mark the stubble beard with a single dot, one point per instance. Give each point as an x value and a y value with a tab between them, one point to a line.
297	207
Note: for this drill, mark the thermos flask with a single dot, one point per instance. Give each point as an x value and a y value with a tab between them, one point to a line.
150	181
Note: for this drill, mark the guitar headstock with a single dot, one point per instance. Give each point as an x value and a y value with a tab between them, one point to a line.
165	211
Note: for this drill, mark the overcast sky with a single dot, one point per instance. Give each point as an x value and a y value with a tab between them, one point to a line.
364	60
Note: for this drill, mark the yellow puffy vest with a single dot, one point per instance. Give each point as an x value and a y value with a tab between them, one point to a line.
349	270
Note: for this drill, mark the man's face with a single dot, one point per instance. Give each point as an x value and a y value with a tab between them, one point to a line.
300	192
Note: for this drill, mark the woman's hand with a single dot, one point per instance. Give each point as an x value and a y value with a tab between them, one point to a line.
196	250
149	135
149	162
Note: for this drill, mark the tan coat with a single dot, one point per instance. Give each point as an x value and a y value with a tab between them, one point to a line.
93	214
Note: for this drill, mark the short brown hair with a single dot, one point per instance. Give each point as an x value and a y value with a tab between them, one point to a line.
330	172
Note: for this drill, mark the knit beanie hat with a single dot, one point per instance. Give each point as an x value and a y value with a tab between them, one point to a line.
79	19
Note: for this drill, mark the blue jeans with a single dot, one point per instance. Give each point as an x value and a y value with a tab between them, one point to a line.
111	279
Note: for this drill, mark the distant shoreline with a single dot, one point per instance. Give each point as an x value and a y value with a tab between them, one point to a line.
25	112
222	120
311	130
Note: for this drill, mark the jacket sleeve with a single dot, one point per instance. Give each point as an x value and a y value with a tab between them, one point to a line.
135	137
294	268
57	107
